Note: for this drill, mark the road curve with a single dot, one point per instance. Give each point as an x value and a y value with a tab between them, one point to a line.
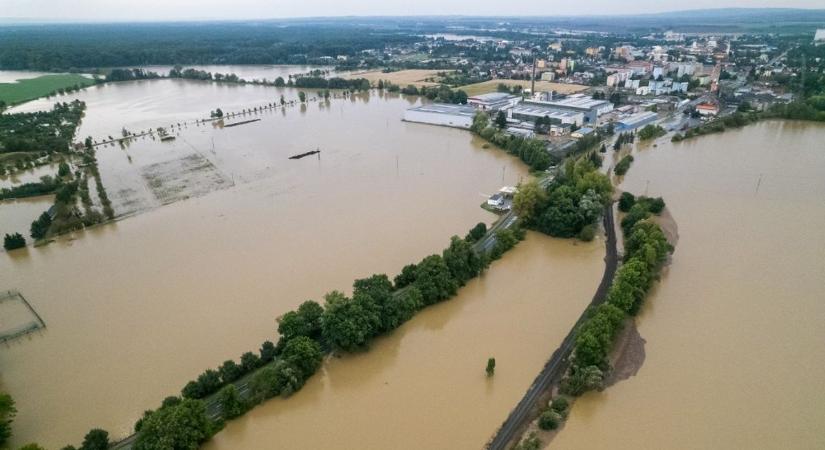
557	364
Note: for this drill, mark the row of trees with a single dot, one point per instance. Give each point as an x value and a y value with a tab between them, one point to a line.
623	165
651	131
624	138
735	120
532	151
646	249
343	323
570	205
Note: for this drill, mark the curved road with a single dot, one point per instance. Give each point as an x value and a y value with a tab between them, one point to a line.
557	365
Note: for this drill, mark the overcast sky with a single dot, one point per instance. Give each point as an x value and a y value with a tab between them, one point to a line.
260	9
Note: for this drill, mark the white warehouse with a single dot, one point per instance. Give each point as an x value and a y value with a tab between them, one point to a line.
458	116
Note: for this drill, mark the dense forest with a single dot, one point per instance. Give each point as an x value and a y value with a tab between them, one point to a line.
75	46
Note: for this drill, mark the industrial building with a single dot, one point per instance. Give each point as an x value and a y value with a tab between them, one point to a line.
636	121
459	116
532	110
493	101
589	107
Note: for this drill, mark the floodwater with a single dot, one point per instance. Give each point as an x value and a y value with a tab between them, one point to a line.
249	72
735	332
16	216
424	386
231	234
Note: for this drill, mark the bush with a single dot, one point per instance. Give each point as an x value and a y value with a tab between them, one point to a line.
587	233
623	165
559	404
549	420
14	241
182	426
626	201
477	232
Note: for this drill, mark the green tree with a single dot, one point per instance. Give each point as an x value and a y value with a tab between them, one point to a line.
230	402
406	277
347	324
7	413
250	362
529	199
230	371
279	82
13	241
305	321
626	201
434	280
549	420
96	439
501	120
181	427
302	97
264	384
401	307
582	379
304	354
268	352
477	232
491	366
462	261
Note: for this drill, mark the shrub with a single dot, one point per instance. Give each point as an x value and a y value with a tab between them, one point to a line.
14	241
549	420
559	404
626	201
587	233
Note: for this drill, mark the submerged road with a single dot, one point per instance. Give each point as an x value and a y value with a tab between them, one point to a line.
556	366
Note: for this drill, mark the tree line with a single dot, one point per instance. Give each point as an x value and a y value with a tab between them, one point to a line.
532	152
646	250
343	323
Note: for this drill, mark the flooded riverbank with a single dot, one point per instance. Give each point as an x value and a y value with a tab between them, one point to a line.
137	308
424	386
734	332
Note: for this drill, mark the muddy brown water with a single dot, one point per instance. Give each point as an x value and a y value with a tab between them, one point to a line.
224	234
735	332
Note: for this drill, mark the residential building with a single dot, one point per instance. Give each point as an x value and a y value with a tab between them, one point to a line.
707	109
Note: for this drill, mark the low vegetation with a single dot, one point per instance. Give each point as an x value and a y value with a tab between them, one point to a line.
43	86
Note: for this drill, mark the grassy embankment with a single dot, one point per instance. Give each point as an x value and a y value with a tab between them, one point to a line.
30	89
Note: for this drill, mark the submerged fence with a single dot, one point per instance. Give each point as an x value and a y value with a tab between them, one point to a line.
17	317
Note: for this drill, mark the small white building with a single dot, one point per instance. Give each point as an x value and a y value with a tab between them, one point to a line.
496	200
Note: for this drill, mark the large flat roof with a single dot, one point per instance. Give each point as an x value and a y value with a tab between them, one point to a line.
446	108
492	97
541	110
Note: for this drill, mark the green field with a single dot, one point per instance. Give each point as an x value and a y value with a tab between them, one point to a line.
30	89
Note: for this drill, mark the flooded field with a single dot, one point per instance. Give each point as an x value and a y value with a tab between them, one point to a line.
231	234
247	72
425	386
735	332
16	216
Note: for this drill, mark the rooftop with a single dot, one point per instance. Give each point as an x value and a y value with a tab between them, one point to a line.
492	97
445	108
